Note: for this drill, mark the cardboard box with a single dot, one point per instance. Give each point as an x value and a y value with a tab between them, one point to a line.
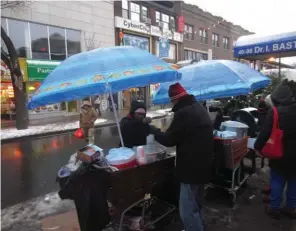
89	154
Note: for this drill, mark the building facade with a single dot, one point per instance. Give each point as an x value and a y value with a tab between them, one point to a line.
45	33
207	36
152	26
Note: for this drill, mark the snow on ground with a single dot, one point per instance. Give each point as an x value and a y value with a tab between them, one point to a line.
41	129
35	209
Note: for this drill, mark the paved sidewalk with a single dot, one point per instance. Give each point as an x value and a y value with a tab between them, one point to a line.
70	124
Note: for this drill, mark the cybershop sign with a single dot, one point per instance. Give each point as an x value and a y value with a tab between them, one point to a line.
266	48
132	25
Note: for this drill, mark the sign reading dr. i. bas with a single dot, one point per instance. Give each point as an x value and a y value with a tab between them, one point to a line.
267	48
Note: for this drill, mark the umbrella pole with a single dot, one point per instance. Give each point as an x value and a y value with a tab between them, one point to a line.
116	118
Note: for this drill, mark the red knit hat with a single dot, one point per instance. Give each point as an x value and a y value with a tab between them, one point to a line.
176	91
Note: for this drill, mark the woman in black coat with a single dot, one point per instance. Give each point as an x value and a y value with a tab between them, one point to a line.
282	171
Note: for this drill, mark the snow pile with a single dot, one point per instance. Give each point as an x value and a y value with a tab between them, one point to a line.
35	209
41	129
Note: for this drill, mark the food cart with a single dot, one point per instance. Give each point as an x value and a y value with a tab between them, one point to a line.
96	72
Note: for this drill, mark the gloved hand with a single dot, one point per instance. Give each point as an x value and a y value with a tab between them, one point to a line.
147	120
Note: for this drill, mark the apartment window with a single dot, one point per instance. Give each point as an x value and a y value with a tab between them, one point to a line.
167	21
203	34
125	8
188	32
134	11
215	40
193	55
225	42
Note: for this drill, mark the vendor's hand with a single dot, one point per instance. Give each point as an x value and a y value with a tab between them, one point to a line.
258	153
147	120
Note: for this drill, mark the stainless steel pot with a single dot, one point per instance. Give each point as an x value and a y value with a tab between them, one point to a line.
233	126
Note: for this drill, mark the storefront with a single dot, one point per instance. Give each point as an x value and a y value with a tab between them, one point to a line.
37	71
7	93
152	39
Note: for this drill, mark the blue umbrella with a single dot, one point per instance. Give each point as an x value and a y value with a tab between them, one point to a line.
98	71
215	79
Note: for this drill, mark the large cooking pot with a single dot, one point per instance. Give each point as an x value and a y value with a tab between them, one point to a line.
234	126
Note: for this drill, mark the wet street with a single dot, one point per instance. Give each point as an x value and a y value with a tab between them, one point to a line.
29	166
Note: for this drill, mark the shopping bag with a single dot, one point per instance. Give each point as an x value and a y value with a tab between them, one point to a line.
79	133
273	148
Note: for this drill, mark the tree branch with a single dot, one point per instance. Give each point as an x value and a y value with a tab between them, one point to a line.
16	74
5	59
12	4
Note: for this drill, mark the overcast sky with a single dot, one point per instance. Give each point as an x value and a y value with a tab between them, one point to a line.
259	16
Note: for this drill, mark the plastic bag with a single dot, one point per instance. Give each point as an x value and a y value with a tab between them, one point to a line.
79	133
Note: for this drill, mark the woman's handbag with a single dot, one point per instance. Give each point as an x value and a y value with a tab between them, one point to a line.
273	148
79	133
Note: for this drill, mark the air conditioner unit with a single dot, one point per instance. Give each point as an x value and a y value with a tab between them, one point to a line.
146	20
160	24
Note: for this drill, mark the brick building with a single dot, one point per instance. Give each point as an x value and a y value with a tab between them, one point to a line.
204	31
144	24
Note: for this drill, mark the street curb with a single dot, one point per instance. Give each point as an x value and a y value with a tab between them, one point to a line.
9	140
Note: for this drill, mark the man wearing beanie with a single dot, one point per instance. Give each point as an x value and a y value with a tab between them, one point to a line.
135	126
192	133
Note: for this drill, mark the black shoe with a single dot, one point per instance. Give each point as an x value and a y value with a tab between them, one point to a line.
273	213
289	212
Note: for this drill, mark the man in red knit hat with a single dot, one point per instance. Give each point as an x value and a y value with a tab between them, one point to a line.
191	131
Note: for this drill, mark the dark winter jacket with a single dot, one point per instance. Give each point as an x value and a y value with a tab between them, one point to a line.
191	132
287	114
134	132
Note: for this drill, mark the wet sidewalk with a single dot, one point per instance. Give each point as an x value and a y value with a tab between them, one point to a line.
248	214
52	126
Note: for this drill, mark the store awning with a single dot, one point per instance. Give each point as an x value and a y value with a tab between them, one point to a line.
39	69
254	47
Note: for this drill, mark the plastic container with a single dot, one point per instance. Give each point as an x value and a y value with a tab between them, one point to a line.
122	158
141	157
150	140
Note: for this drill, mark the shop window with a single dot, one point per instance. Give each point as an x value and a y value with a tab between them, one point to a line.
215	40
166	21
172	51
73	42
57	43
225	42
203	34
19	35
188	32
39	41
136	41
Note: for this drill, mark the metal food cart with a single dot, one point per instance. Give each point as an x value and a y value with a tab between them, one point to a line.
228	173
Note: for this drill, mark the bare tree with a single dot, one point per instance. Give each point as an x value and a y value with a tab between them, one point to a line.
10	58
90	42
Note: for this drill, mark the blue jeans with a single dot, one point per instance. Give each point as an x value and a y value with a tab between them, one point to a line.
278	183
191	207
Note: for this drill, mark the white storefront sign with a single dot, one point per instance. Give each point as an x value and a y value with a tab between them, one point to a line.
132	25
147	29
